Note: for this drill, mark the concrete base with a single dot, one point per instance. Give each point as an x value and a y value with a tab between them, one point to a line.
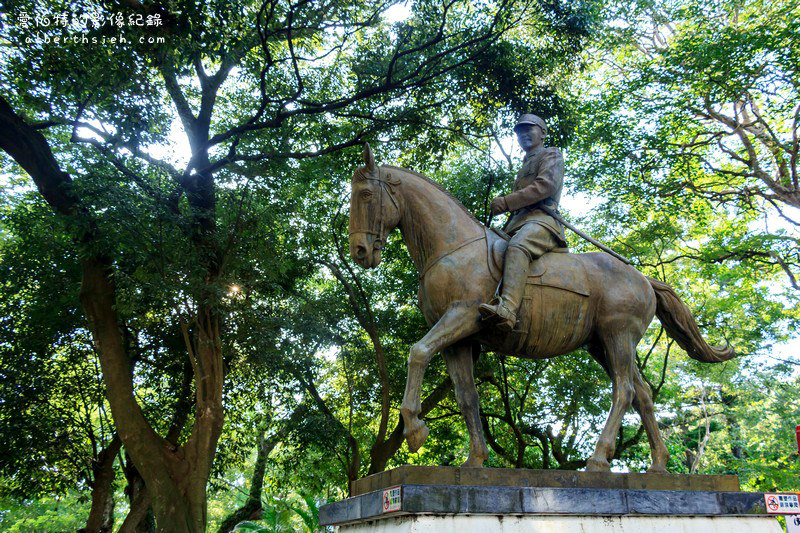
566	524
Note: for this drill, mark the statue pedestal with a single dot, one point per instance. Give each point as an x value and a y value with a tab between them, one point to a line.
489	500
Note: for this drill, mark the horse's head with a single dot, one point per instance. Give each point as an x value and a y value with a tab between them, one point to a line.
374	211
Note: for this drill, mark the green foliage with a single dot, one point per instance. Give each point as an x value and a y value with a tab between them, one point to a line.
50	387
684	123
43	515
284	516
302	327
689	110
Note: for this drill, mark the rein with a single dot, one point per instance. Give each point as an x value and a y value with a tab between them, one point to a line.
441	256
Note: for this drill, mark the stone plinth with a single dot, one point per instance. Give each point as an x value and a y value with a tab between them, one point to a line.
521	477
489	500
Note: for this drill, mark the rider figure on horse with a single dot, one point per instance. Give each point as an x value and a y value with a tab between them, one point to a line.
533	232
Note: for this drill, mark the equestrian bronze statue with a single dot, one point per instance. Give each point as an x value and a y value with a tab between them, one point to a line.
564	301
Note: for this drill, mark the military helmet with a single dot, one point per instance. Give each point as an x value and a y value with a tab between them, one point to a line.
530	118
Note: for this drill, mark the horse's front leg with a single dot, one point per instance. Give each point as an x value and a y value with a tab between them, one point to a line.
458	322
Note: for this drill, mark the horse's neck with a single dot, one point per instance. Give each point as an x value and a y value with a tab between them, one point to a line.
432	223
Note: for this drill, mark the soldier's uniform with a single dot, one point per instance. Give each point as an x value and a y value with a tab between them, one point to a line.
533	232
539	182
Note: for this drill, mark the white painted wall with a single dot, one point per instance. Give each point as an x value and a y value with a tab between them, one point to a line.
566	524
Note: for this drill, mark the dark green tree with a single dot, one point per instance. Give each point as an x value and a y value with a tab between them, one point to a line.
255	87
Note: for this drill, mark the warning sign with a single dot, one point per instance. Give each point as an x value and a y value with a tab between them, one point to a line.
793	524
392	499
782	503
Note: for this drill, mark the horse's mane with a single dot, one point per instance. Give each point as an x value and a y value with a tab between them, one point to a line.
438	186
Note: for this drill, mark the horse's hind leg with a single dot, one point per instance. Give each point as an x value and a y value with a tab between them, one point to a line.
643	403
620	348
459	366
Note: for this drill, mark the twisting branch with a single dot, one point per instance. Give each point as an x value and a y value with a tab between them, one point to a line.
359	302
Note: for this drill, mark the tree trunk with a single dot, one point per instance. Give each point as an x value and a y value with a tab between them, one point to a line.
252	508
101	513
140	517
175	477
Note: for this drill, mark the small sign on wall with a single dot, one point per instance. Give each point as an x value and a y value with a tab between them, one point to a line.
793	524
797	435
392	499
782	503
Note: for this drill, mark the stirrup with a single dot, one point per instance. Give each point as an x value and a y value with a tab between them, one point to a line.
488	311
504	317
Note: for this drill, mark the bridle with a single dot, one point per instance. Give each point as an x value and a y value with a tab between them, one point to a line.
378	224
385	186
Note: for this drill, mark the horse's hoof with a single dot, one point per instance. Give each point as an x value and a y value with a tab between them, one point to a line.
657	469
597	465
416	437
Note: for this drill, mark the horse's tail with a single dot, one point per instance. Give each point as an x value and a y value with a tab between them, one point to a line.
680	325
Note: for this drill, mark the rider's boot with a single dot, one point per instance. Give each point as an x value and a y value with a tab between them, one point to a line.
515	274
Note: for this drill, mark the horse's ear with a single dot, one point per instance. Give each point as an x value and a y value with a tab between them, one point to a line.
369	159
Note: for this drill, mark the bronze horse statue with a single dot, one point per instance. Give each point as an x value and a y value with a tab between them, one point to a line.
588	300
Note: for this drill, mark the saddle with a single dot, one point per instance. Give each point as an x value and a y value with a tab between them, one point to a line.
556	269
